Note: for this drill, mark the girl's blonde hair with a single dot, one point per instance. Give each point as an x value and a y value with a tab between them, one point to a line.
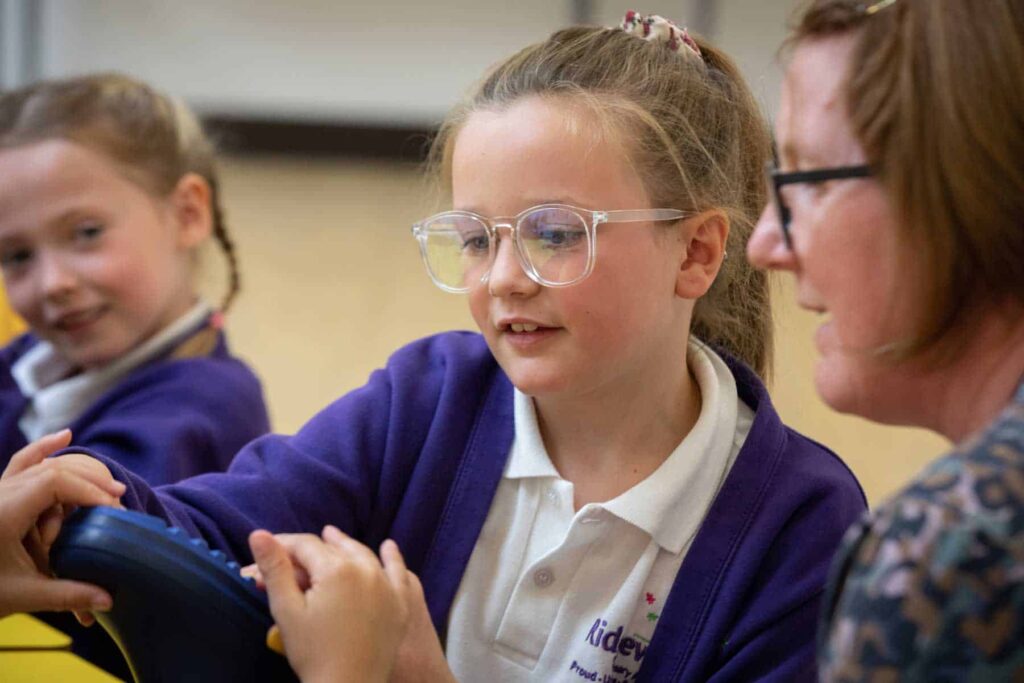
153	138
934	96
695	135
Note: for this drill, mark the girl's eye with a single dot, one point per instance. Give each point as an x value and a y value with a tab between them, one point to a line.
475	243
88	232
15	258
557	236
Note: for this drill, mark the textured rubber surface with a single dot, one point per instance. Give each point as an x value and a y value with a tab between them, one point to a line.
181	611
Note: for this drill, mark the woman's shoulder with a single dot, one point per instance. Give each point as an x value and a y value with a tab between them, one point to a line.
936	569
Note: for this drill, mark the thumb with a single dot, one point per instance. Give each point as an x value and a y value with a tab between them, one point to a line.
278	574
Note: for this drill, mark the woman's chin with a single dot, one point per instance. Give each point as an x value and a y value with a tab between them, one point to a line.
835	386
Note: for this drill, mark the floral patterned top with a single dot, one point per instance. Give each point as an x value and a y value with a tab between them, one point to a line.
930	587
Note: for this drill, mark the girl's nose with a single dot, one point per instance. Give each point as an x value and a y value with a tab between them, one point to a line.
767	247
56	278
507	277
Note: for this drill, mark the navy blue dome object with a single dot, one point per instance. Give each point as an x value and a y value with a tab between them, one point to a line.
181	611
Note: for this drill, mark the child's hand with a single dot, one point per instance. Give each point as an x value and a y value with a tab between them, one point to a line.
420	656
349	622
33	495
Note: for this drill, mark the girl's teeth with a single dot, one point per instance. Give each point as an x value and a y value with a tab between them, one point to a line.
523	327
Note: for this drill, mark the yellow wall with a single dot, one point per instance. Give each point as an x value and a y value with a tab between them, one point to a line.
333	284
10	324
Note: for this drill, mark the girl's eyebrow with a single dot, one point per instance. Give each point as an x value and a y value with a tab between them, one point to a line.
528	204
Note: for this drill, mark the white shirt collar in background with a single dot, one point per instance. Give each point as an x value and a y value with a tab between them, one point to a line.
55	403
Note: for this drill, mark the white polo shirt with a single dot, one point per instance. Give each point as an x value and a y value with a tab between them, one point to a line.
553	594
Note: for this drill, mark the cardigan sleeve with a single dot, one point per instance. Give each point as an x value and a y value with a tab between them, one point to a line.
324	474
351	465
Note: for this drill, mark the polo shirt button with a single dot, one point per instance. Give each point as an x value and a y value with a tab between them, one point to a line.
553	495
542	578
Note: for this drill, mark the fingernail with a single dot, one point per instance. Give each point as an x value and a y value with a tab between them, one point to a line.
102	603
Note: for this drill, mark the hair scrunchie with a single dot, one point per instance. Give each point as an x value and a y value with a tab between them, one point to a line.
658	29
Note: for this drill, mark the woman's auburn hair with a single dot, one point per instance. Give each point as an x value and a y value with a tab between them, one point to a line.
693	131
934	96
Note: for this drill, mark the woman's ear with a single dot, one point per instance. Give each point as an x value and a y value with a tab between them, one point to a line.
191	208
705	236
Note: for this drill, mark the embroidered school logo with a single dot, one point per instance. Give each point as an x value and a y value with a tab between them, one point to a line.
600	636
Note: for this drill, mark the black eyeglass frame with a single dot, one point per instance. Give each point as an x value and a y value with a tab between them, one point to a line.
778	179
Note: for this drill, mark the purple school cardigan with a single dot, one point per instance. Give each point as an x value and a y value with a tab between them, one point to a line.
168	419
417	454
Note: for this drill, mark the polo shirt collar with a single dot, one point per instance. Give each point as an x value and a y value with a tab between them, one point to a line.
671	503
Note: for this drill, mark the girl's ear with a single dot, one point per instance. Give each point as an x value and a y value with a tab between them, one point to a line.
705	236
190	204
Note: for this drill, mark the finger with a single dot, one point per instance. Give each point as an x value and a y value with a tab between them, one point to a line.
253	572
301	575
84	618
37	451
49	525
90	469
283	591
33	545
34	491
310	553
394	564
353	549
42	593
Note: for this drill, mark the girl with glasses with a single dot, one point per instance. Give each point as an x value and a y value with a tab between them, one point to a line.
596	486
917	265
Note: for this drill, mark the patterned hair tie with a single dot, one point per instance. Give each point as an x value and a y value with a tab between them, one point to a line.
660	30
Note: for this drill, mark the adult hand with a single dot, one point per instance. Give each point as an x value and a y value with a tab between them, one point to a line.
348	623
33	494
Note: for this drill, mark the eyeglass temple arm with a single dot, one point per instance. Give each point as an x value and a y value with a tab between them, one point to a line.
638	215
821	175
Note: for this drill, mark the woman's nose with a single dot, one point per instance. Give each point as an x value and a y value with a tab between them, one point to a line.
767	247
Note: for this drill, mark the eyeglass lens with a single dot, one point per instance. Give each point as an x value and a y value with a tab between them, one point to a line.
553	243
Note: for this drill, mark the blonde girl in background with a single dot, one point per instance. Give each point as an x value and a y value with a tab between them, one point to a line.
109	191
595	486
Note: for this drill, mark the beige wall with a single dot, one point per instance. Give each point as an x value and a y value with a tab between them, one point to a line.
333	284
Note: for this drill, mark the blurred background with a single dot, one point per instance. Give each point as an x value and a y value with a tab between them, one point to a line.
322	109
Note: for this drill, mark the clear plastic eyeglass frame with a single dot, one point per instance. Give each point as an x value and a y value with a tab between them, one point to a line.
590	219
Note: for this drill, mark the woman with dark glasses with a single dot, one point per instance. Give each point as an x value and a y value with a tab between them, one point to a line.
898	206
